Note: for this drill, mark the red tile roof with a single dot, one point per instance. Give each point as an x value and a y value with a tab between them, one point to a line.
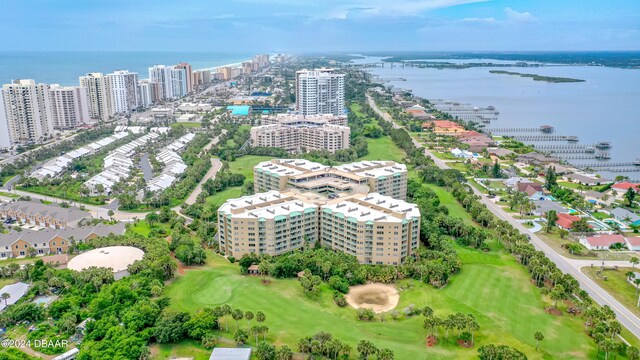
605	240
633	241
626	186
566	221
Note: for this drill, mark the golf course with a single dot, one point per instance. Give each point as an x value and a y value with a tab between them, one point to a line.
491	286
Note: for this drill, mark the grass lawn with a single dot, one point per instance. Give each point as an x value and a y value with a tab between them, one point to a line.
219	198
244	165
616	285
9	195
600	215
143	228
576	186
186	124
383	148
72	193
455	209
185	349
491	286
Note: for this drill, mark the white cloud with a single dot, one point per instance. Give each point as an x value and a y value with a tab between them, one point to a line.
486	20
515	16
392	8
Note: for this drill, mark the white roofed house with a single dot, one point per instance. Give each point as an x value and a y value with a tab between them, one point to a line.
174	166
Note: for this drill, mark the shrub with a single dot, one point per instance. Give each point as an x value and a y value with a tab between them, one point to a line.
366	314
339	299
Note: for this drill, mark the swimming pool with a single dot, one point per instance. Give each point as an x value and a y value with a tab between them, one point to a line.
597	225
572	211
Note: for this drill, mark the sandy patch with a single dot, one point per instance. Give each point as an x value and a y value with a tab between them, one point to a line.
377	297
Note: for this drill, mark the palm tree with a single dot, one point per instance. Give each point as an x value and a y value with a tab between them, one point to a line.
539	337
630	275
385	354
260	316
249	316
634	261
5	297
366	348
237	315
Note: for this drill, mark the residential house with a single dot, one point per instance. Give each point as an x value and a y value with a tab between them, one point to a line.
565	221
36	213
626	216
633	243
533	190
51	241
544	206
586	179
513	182
498	152
623	187
597	197
602	242
534	158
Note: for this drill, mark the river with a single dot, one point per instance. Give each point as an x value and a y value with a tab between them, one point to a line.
606	107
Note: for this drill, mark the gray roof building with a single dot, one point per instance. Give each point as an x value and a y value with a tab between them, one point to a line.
542	206
16	292
230	354
31	211
621	214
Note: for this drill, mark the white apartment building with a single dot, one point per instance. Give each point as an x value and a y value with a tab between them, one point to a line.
100	97
161	74
319	91
69	106
301	138
298	119
376	229
5	139
27	109
384	177
179	82
188	74
124	89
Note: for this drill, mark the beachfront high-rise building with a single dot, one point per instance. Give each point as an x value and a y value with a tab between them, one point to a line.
189	74
179	82
69	106
5	139
297	133
162	75
145	93
260	62
124	89
27	110
374	228
100	98
319	91
200	77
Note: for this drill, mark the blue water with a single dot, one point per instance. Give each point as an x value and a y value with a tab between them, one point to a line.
604	108
64	67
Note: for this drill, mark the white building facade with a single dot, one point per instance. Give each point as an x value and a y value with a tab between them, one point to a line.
124	89
100	98
27	111
69	106
319	91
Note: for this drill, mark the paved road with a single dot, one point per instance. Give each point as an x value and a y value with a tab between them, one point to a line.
570	266
216	164
145	165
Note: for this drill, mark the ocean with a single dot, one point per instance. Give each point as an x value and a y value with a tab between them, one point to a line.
64	67
606	107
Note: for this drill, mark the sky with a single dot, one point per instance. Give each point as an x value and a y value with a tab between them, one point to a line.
299	26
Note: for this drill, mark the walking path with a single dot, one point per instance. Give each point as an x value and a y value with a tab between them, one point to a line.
566	265
216	164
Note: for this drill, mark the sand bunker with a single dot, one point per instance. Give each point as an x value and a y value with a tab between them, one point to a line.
377	297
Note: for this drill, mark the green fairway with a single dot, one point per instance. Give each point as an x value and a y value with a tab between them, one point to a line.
617	285
455	209
491	286
383	149
143	228
219	198
244	165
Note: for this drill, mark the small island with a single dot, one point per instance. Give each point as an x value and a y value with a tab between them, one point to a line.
551	79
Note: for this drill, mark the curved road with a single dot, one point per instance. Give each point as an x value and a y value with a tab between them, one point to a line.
570	266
